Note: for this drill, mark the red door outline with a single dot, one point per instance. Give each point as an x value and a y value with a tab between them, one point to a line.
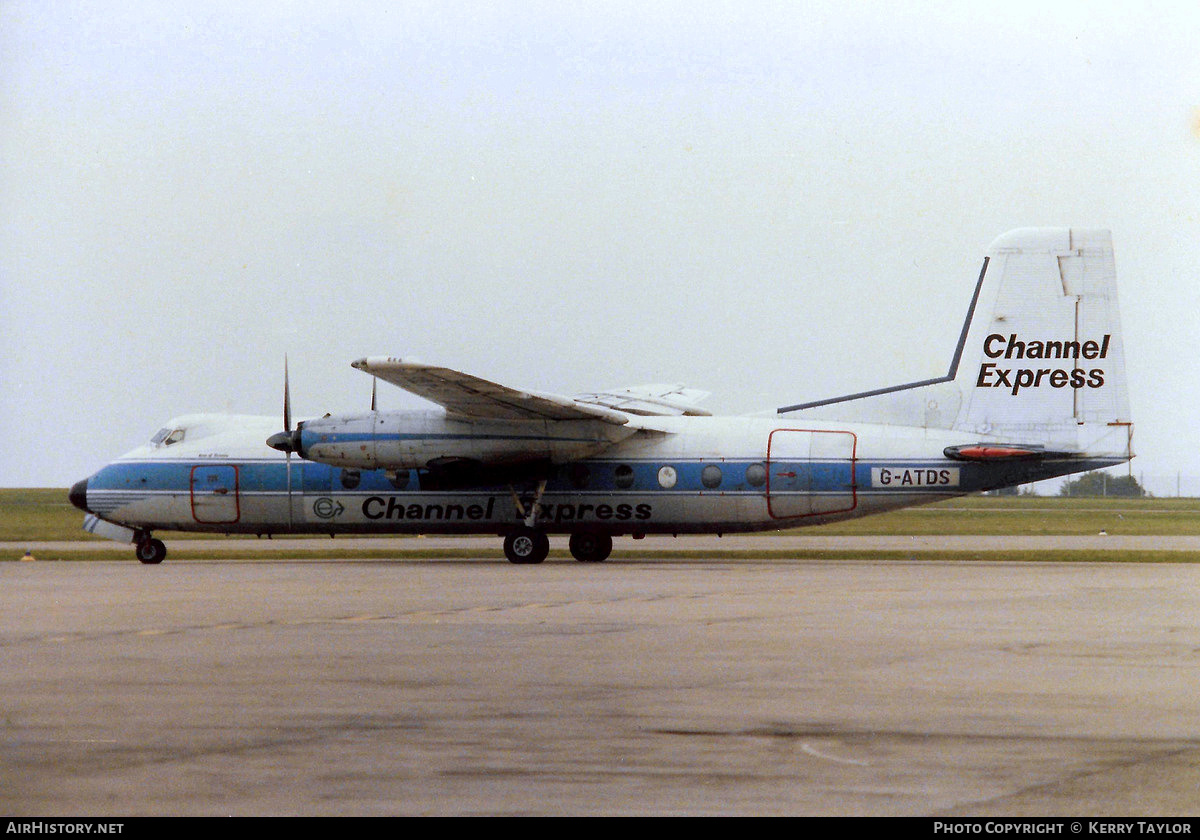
808	460
218	496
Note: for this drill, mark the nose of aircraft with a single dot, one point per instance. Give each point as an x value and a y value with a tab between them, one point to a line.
78	495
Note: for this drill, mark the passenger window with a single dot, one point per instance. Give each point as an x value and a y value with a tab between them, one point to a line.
756	475
710	476
579	476
667	477
624	476
350	478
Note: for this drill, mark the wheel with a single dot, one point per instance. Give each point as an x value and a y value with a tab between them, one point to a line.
526	545
151	551
588	547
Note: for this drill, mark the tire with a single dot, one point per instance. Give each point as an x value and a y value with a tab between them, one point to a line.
151	551
589	547
526	546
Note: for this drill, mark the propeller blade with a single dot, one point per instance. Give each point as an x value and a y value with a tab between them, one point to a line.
288	440
287	397
374	382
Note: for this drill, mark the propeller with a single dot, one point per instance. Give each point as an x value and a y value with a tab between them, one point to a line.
288	440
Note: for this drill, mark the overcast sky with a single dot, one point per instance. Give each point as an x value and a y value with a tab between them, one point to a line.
772	201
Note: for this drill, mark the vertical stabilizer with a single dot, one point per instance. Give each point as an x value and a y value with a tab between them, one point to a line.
1043	355
1040	358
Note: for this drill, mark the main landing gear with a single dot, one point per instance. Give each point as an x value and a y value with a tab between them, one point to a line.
150	550
590	547
525	545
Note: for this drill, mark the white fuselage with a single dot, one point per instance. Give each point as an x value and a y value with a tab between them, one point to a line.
674	475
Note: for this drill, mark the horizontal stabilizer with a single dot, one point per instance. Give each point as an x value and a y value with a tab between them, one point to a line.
984	452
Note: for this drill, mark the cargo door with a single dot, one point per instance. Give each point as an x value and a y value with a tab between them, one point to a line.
810	473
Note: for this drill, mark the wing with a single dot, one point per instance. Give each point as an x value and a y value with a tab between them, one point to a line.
463	395
651	400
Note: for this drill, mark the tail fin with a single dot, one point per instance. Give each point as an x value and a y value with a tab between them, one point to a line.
1040	359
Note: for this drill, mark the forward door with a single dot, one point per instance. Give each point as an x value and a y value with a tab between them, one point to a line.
215	494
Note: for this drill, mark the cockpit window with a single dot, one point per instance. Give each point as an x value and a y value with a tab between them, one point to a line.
166	436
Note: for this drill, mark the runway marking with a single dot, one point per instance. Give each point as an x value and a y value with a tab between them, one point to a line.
805	748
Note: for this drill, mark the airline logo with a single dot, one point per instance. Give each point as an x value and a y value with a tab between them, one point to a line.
399	508
1003	374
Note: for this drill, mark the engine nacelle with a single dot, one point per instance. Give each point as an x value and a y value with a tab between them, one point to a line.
411	440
